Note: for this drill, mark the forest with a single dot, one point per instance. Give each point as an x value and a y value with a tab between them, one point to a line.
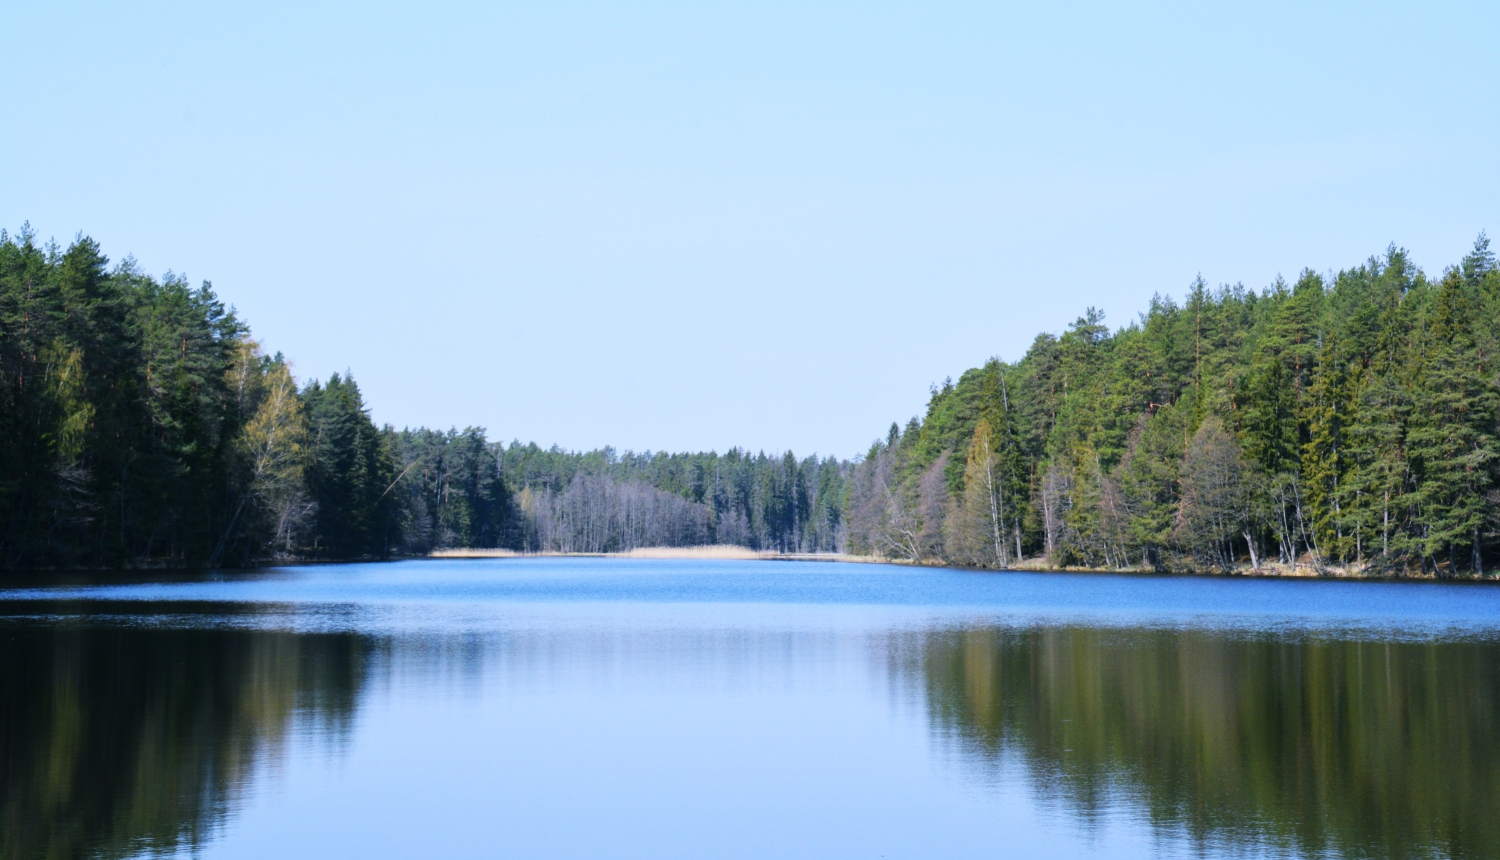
601	501
144	426
1343	423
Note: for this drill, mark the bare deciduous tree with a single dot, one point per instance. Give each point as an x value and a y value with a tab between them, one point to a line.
976	521
882	521
595	513
932	505
1214	511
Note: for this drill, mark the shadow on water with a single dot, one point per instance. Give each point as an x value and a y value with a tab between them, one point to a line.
120	741
1318	746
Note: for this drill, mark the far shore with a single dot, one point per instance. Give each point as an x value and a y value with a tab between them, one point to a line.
718	551
1267	570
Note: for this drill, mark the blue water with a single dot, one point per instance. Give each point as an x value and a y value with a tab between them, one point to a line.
423	588
597	707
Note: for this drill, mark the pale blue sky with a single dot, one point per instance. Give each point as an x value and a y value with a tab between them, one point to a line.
661	225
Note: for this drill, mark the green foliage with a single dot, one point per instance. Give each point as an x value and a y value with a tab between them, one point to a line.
453	490
1355	424
350	468
115	410
140	425
1349	420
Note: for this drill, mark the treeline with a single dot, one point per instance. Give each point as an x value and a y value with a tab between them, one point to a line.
602	501
1342	421
142	425
1346	421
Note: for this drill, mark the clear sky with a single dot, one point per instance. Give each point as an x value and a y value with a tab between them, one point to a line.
697	225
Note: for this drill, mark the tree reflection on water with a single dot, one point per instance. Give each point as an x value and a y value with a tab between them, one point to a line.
132	737
118	741
1315	745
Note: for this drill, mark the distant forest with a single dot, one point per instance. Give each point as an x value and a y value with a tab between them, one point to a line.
1345	421
602	501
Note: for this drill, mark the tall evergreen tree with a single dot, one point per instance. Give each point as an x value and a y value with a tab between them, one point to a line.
350	469
1452	440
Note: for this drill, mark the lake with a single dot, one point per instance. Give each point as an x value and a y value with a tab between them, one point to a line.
590	707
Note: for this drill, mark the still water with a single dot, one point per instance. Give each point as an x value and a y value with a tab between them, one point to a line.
637	708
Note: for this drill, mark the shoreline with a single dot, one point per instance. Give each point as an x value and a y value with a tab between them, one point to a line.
1268	570
719	552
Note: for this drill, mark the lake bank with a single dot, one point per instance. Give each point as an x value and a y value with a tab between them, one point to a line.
1266	570
716	551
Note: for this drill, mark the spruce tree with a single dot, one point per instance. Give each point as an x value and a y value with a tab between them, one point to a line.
351	467
1452	438
1326	460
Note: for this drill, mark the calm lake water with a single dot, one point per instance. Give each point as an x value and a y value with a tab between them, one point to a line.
630	708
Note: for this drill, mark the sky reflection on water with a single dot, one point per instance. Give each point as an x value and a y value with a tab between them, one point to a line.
560	707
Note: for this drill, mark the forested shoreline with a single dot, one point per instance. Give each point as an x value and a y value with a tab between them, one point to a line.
1342	423
143	426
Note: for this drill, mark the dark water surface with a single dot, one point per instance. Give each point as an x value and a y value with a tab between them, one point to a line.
633	708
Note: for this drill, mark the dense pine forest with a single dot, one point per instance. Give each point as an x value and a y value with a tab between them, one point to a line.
143	426
1342	423
1345	422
